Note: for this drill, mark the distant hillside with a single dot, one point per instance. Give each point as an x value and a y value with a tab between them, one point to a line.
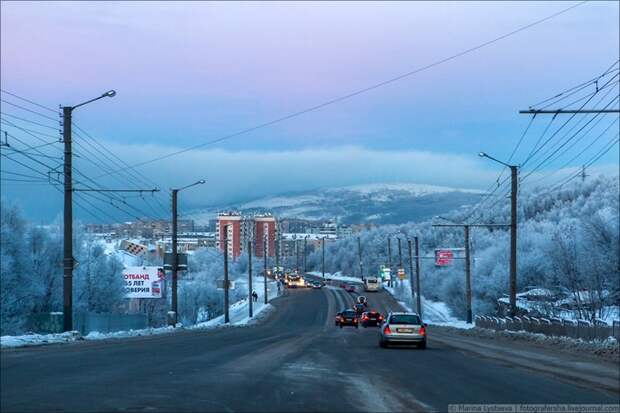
372	203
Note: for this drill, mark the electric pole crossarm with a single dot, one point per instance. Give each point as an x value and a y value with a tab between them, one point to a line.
566	111
472	225
115	190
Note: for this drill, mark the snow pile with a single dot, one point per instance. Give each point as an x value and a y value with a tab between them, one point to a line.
608	348
433	312
39	339
239	317
337	276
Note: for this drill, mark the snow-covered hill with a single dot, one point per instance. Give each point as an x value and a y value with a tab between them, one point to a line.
384	203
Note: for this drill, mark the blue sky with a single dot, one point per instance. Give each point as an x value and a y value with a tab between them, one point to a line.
187	73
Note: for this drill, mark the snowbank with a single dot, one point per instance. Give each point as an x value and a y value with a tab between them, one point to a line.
239	317
337	276
433	312
608	348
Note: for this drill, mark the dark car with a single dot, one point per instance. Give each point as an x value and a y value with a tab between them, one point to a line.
338	318
371	319
348	318
350	288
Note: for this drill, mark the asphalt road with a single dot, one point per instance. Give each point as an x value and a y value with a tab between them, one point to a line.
296	360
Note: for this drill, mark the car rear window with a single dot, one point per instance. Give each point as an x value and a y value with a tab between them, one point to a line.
349	313
371	281
405	319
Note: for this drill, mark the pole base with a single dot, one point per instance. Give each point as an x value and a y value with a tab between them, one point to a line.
172	318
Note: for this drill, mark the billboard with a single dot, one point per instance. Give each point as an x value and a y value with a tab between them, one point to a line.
446	256
144	282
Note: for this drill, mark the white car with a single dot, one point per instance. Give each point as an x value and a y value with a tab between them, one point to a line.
403	328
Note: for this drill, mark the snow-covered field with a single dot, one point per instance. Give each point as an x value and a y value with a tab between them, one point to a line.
238	312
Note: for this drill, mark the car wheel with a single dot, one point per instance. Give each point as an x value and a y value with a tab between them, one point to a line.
423	345
356	326
364	325
382	343
340	325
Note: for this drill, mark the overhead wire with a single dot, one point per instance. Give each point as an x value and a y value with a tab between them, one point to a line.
354	93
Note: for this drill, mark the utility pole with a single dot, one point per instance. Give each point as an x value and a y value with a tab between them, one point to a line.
297	255
175	262
226	315
411	269
513	230
467	274
175	257
68	260
359	255
323	257
513	240
417	277
250	289
277	245
265	266
305	253
400	258
466	227
389	248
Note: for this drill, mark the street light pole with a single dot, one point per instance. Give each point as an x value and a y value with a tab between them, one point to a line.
265	266
417	277
513	230
389	248
175	262
68	260
250	290
359	256
226	314
305	254
175	258
323	256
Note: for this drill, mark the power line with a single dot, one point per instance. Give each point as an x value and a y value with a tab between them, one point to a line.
28	110
358	92
29	121
29	101
567	163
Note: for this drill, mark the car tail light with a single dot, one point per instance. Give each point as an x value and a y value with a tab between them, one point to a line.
422	331
387	330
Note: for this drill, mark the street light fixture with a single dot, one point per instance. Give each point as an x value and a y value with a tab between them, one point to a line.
68	260
175	192
513	230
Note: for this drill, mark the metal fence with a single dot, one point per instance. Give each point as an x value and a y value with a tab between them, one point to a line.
583	329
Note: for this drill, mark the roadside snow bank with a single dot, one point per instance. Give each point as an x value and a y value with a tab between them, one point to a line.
39	339
239	317
433	312
337	276
608	348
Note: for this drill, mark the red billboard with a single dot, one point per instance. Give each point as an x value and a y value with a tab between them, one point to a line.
443	257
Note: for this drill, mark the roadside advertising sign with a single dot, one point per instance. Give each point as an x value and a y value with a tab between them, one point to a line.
144	282
443	257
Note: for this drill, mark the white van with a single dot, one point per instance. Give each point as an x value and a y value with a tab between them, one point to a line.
372	284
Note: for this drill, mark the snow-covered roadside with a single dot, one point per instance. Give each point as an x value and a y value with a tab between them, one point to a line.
433	312
239	317
337	276
609	348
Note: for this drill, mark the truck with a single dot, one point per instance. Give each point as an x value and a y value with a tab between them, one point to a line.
372	284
